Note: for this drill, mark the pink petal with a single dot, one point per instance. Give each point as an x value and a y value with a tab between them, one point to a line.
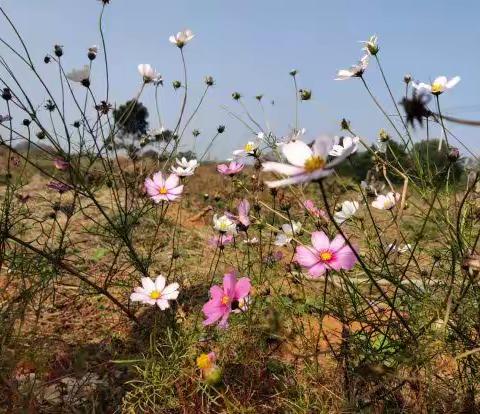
172	181
150	187
229	282
346	258
242	288
305	256
216	292
158	179
320	241
176	190
317	270
337	243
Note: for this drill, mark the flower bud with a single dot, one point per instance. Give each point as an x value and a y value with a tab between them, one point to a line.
46	59
407	78
236	96
7	94
209	81
305	94
345	124
40	135
26	122
76	124
58	50
176	84
92	52
259	97
293	72
221	129
195	133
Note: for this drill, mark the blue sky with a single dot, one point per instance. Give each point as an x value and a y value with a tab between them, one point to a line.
250	46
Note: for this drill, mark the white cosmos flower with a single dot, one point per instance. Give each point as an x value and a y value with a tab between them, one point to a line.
193	164
349	208
181	38
304	163
386	202
438	86
249	149
347	142
183	171
155	293
355	71
224	225
289	230
79	75
148	73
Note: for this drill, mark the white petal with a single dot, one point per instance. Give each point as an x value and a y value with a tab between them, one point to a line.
160	283
280	168
148	284
452	82
297	152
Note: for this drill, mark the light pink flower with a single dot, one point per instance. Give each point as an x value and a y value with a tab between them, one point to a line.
386	202
231	169
155	293
325	255
61	164
305	163
242	219
220	240
314	210
161	189
230	297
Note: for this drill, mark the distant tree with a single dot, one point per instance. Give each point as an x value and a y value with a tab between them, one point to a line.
131	118
131	125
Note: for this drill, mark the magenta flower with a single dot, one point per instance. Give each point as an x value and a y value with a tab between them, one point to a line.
242	219
161	189
231	297
221	240
61	164
325	254
231	169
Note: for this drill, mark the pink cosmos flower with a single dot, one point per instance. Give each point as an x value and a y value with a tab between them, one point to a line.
314	210
221	240
155	292
325	255
242	220
61	164
231	297
161	189
231	169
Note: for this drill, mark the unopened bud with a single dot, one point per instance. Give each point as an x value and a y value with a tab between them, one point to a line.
305	94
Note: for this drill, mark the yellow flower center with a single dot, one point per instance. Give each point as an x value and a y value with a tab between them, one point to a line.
162	190
249	147
155	294
203	362
314	163
437	88
326	256
225	300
